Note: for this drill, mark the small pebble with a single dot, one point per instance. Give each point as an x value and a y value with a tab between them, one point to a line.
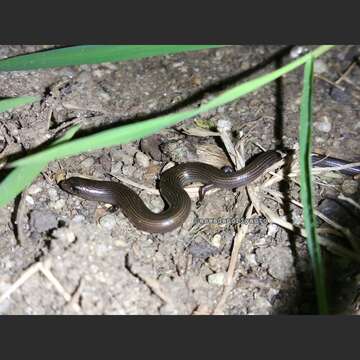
128	170
323	125
297	51
142	159
87	163
279	261
116	168
59	204
42	221
34	189
53	194
217	279
216	240
29	200
251	259
272	230
156	203
319	140
78	219
108	221
64	234
151	146
320	67
260	306
104	95
349	187
202	250
120	242
340	95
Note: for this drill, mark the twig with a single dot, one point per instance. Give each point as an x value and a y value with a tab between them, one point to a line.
347	80
330	82
346	73
328	244
318	170
349	200
44	267
345	231
241	232
224	128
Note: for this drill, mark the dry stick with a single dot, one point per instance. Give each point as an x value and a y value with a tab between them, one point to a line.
328	244
337	249
154	286
330	82
44	267
347	80
224	128
239	159
241	232
346	73
349	200
345	231
22	279
279	176
317	170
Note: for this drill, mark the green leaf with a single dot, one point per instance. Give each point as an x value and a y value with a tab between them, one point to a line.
21	177
306	187
91	54
126	133
8	104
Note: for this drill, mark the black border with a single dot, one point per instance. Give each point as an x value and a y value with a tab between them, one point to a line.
164	22
179	23
183	337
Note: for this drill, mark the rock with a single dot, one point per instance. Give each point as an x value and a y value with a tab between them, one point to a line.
34	189
142	159
278	259
202	250
108	221
216	240
42	220
340	95
349	187
78	219
53	194
217	279
151	146
320	67
323	125
59	204
64	234
87	163
29	200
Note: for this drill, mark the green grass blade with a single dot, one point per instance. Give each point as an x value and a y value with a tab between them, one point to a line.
306	187
8	104
91	54
131	132
21	177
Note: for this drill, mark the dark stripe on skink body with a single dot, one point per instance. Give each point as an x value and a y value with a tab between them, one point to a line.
171	187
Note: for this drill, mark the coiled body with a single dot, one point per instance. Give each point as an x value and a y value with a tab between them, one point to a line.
172	183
